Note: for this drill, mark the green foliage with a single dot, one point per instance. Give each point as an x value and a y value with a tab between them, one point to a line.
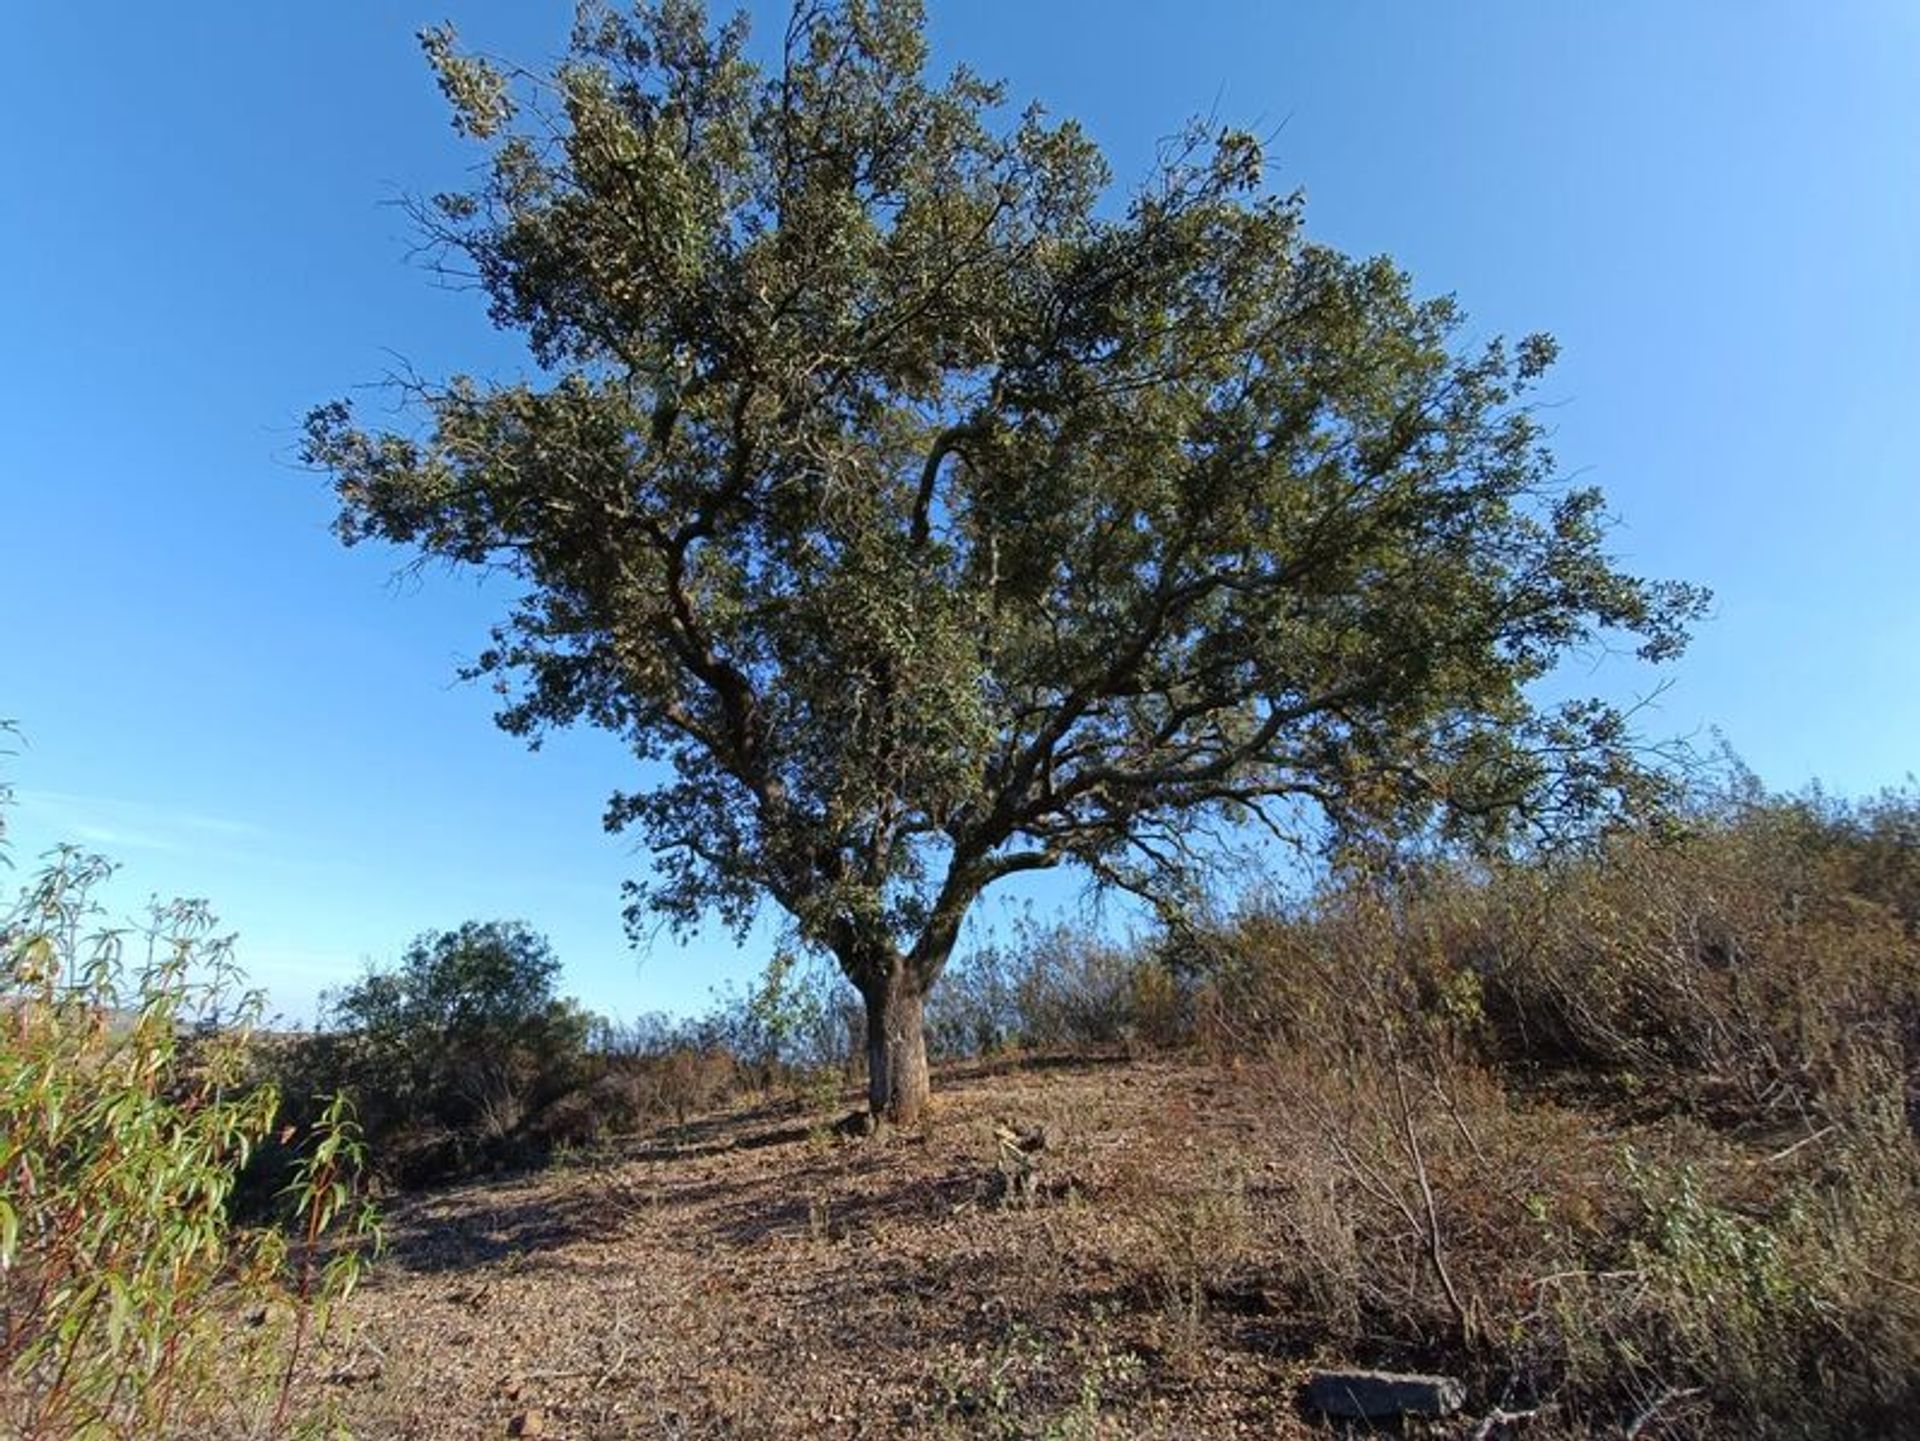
796	1023
450	1054
786	1009
484	979
126	1119
1788	1317
1723	1276
932	519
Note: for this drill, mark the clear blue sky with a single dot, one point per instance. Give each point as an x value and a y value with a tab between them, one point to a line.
1715	206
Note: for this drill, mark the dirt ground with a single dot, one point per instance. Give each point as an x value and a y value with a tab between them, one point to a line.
755	1273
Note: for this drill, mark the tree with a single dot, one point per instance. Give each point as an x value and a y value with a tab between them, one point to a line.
487	977
460	1031
919	517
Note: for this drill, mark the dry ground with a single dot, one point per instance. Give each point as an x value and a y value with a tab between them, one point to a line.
755	1274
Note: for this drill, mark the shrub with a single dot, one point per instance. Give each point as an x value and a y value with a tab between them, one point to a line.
1071	988
126	1118
450	1054
1790	1316
1750	966
798	1019
1732	1002
972	1010
799	1030
1056	986
653	1071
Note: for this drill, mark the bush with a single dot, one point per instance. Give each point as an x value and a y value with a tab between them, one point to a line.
1719	1238
800	1019
650	1072
126	1118
972	1010
1750	967
450	1055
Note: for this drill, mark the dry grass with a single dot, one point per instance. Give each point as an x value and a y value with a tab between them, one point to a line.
747	1275
1195	1236
1629	1145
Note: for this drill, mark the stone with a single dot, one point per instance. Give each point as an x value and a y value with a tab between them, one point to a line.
858	1126
528	1423
1374	1395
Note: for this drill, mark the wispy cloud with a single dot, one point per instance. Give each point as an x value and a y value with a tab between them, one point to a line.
123	824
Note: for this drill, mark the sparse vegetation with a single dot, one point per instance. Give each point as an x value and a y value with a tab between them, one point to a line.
1612	1133
463	1059
918	514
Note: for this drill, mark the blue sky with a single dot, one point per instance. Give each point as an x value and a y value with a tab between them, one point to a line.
1715	206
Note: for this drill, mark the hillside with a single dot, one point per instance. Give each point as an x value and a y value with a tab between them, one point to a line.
752	1275
1624	1146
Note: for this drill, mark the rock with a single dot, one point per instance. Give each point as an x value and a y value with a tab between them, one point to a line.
528	1423
859	1126
1029	1141
1371	1395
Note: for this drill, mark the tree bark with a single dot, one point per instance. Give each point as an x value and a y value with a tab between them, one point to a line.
897	1082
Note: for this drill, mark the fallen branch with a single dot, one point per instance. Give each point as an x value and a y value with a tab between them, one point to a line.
1779	1156
1497	1417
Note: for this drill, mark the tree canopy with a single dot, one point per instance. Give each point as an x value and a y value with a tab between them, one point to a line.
921	511
486	980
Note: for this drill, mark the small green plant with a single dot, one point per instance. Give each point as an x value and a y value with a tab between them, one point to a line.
1033	1384
1745	1306
132	1304
1729	1270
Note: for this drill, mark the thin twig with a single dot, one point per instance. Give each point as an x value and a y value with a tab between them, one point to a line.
1660	1403
1497	1417
1894	1281
1629	1274
1435	1256
1779	1156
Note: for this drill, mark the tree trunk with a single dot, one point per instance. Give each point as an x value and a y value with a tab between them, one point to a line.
897	1081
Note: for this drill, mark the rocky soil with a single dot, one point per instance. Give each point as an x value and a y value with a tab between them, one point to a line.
1066	1248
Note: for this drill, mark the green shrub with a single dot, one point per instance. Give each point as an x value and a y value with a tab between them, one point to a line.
451	1055
126	1118
1791	1316
799	1019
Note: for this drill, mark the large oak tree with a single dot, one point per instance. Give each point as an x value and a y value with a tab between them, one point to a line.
920	512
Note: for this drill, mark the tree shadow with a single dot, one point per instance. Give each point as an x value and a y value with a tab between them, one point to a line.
836	1191
426	1241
